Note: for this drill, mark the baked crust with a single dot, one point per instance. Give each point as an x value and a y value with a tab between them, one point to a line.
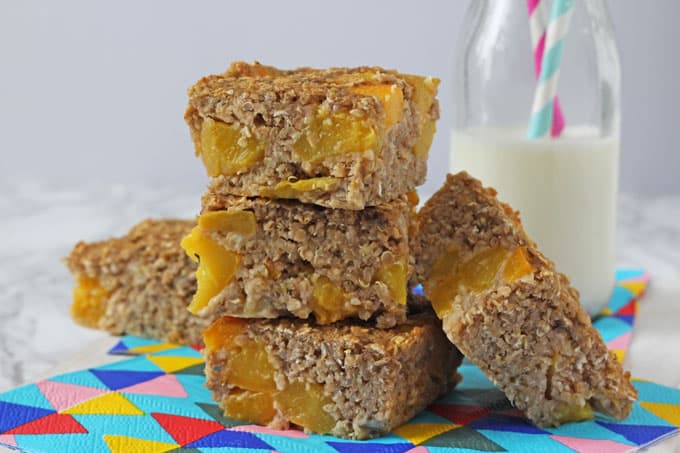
374	379
276	105
531	336
147	280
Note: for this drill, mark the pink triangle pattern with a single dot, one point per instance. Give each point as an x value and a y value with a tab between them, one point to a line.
63	396
295	434
620	342
165	385
642	279
590	445
8	439
418	449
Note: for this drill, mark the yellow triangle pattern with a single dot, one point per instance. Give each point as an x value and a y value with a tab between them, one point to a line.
171	364
606	311
124	444
148	349
417	433
634	287
669	412
620	354
110	403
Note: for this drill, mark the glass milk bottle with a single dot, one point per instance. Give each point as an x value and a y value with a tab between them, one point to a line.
563	183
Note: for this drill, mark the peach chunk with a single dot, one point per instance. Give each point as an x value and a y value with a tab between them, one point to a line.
413	197
288	189
250	375
427	131
222	333
300	402
424	92
225	150
566	413
303	404
216	266
450	276
329	301
240	222
518	265
335	134
248	365
390	96
394	277
256	407
88	302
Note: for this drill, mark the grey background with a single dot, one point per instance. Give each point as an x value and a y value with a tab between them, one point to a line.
94	91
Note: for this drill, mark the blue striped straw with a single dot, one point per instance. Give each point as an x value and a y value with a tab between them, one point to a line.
546	89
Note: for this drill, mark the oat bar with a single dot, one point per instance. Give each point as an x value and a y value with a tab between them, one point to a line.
508	310
340	138
267	258
347	379
139	284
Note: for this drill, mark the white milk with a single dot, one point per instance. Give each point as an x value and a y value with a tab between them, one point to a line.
565	191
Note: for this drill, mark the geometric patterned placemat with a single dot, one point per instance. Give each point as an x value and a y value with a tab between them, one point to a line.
155	401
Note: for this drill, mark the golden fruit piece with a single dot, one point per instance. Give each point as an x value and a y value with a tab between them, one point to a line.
256	407
248	364
422	146
287	189
222	333
479	272
302	403
336	134
328	301
450	276
518	265
240	222
225	150
439	287
413	197
390	96
249	367
566	413
424	93
216	266
89	299
394	277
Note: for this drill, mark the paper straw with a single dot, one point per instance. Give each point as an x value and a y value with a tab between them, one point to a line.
538	20
542	110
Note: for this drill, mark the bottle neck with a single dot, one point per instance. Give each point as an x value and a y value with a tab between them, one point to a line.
498	66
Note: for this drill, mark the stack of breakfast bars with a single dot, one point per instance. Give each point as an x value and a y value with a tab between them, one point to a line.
303	251
296	273
303	247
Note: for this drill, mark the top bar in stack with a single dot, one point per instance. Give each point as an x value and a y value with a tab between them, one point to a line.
339	138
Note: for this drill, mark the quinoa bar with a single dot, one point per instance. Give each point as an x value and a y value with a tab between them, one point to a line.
508	310
267	258
340	138
348	379
139	284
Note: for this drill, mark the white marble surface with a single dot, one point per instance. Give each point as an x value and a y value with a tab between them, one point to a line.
38	227
40	224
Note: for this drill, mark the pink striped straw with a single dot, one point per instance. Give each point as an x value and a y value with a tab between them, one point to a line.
538	23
